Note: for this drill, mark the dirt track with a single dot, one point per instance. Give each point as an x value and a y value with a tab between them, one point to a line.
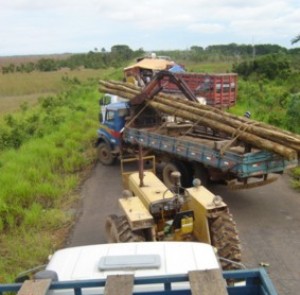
268	220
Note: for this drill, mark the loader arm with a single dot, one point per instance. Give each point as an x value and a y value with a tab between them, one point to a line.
156	85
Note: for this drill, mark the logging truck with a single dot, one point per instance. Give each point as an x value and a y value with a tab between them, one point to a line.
140	268
218	90
195	151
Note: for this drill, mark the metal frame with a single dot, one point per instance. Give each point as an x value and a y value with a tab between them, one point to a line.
256	282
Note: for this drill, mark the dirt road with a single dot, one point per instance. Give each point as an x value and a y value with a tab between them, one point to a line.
268	220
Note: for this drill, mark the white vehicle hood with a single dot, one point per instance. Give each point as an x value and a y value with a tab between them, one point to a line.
82	263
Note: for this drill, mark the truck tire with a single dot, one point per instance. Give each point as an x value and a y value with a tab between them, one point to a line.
202	173
185	171
225	238
105	155
118	231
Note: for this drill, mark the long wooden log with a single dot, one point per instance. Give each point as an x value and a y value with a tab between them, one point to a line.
260	129
255	127
245	136
186	114
249	125
286	135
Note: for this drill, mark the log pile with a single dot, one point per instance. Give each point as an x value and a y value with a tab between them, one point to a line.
257	134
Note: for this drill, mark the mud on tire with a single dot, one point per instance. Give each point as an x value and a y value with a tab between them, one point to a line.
224	237
117	230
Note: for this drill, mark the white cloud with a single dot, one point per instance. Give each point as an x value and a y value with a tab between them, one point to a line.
30	25
206	28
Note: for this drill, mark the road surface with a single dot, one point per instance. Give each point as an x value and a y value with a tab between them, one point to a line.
268	220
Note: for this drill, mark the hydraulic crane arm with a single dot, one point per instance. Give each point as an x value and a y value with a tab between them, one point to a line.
157	84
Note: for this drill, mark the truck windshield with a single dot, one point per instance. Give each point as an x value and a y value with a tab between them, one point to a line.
110	115
123	112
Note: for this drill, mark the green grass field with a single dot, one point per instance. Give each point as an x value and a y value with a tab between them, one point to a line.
17	88
209	67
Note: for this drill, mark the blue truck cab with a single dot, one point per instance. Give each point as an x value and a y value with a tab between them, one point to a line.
112	123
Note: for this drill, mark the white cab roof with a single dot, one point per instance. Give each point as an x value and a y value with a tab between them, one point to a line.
81	263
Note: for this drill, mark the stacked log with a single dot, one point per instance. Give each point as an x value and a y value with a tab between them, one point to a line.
257	134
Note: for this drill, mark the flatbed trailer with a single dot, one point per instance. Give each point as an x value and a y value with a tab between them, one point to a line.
231	163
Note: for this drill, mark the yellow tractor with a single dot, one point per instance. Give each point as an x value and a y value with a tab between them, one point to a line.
153	212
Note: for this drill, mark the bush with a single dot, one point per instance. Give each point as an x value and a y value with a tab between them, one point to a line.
293	114
269	66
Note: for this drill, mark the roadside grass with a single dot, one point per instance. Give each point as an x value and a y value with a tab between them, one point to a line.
39	177
296	178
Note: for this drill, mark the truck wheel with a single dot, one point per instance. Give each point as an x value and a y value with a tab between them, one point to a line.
186	175
202	173
166	174
105	155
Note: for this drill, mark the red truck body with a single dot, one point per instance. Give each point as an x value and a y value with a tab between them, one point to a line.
219	90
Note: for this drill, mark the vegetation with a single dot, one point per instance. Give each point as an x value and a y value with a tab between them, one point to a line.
42	151
296	39
20	88
119	55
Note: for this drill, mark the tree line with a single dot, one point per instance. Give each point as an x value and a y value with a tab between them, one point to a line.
116	57
120	55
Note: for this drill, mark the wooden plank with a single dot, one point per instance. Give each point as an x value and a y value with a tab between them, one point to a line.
207	282
119	284
35	287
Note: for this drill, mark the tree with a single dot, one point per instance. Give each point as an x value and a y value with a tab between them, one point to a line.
268	66
122	51
296	39
46	65
292	114
9	69
197	48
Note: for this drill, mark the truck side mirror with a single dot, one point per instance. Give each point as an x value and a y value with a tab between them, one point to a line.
105	100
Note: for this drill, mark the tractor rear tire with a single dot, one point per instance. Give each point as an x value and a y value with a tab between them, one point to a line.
224	237
185	171
118	231
105	155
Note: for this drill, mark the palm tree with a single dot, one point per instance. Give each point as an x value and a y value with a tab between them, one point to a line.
296	39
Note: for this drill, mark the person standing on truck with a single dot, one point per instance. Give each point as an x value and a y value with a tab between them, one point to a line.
247	115
132	80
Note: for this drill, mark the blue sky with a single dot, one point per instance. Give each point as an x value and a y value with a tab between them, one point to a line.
59	26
